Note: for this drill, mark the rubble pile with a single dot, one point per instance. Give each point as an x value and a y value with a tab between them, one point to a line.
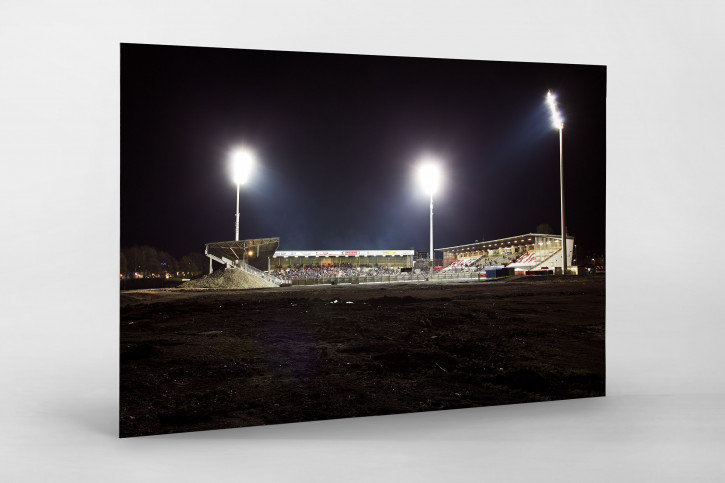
230	278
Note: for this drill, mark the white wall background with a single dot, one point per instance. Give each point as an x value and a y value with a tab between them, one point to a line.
59	231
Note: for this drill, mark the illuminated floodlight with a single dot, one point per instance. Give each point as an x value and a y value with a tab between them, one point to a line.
429	176
242	161
557	121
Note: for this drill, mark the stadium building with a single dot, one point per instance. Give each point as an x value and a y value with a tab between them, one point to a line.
255	252
262	254
529	252
533	251
354	258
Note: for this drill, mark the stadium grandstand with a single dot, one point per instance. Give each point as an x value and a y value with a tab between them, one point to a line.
260	257
284	259
334	271
255	252
530	252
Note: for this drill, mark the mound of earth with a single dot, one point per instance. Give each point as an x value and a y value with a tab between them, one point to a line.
228	278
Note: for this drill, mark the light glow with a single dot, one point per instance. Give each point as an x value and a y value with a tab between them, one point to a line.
557	121
429	176
242	161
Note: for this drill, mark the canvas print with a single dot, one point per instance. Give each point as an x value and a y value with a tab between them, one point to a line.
311	236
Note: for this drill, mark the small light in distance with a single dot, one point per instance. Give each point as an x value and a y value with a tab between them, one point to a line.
242	161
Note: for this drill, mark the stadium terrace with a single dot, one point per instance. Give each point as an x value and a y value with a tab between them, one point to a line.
352	258
532	251
528	252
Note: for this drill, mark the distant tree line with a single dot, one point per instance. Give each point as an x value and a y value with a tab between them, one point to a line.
148	262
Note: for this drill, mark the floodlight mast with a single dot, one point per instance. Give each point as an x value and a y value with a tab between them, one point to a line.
431	230
236	223
558	123
242	160
429	179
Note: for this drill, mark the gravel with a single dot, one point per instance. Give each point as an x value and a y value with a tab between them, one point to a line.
228	278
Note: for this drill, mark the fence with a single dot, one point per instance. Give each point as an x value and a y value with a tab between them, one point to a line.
258	273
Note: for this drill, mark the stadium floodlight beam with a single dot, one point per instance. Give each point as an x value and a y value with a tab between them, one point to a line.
429	178
557	122
242	160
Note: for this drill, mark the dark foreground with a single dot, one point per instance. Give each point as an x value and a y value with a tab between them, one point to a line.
211	359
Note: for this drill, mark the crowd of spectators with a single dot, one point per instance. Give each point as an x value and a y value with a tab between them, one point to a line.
462	269
343	270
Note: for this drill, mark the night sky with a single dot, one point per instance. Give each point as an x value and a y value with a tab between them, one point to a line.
338	139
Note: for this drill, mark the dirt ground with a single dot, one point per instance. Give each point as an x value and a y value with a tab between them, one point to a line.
209	359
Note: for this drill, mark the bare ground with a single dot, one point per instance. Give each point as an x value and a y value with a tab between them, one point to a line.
209	359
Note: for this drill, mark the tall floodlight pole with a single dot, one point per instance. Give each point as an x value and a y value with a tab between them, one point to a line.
242	159
431	231
558	123
429	177
236	223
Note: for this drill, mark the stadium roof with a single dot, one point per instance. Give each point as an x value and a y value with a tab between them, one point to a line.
235	250
501	242
342	253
